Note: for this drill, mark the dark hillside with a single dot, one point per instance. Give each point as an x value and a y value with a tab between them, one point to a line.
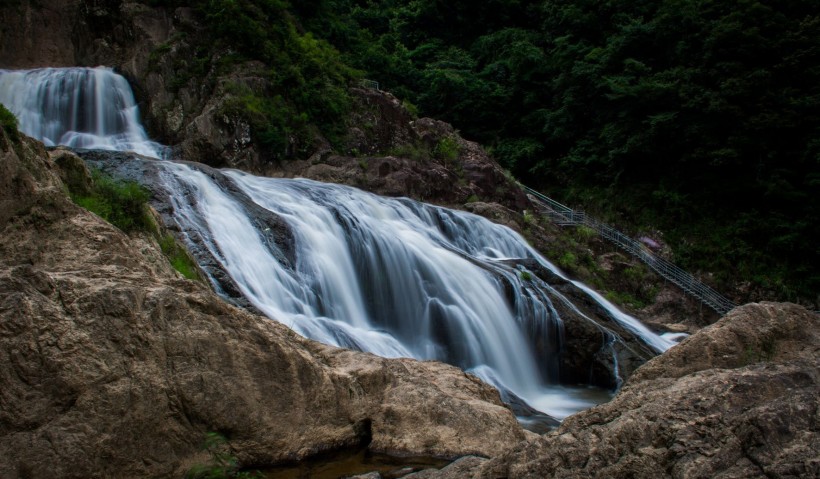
700	118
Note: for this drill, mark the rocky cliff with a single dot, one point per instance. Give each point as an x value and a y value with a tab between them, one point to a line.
114	366
739	399
189	95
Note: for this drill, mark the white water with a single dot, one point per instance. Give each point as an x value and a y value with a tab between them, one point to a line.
79	107
390	276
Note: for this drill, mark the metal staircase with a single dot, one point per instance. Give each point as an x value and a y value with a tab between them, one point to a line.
564	215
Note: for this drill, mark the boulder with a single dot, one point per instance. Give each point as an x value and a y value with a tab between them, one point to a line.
113	365
738	399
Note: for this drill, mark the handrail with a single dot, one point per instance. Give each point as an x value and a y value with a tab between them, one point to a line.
564	215
371	84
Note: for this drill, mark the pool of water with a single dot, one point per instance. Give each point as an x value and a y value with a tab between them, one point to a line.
344	464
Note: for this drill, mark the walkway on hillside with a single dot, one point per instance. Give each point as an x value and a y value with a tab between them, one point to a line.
564	215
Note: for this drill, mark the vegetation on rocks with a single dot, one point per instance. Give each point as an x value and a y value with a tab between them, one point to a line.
222	464
124	204
121	203
699	118
696	118
8	122
307	81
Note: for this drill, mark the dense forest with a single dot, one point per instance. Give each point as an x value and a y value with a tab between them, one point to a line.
697	118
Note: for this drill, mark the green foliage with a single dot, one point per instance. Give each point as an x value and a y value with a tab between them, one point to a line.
178	257
447	149
527	217
223	464
8	122
624	298
526	276
411	108
273	122
307	77
585	233
157	53
706	112
121	203
416	152
568	261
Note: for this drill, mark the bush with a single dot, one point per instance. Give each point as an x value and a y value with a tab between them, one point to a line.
415	152
568	261
447	149
8	121
121	203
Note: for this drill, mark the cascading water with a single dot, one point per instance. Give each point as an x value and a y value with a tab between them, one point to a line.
77	107
393	277
390	276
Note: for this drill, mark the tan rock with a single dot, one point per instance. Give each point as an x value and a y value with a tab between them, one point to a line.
111	365
738	399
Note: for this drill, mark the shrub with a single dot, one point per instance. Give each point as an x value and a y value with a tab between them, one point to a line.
585	233
9	122
121	203
568	261
447	149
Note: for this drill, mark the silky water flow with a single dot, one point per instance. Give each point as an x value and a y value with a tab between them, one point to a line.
393	277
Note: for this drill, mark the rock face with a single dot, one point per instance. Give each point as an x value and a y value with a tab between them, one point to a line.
738	399
189	102
112	365
415	170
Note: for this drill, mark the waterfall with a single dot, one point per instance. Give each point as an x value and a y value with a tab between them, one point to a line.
393	277
78	107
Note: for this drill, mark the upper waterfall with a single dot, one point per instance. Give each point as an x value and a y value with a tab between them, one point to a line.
79	107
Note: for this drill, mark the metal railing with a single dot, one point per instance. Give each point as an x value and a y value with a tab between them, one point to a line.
564	215
372	84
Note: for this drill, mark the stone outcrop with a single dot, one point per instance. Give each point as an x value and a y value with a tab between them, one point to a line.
409	164
738	399
190	103
112	365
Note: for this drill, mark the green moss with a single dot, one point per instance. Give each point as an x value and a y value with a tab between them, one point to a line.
124	204
222	464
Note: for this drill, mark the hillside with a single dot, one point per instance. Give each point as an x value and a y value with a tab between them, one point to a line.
692	121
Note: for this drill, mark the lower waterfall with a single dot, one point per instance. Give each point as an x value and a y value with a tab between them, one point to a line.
393	277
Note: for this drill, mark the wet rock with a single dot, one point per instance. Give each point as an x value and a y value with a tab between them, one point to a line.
459	469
